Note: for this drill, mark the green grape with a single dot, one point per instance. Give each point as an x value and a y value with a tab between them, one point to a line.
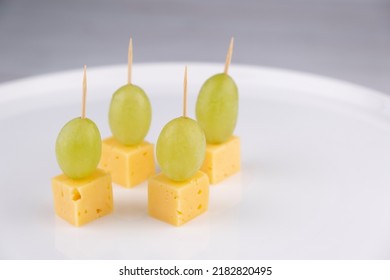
78	148
217	108
180	148
130	115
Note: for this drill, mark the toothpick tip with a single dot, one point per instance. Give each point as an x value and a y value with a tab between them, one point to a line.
84	92
229	56
185	93
130	61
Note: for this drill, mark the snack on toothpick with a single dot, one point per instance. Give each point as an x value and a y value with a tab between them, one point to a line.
126	155
181	145
83	193
216	112
180	192
217	105
130	110
78	145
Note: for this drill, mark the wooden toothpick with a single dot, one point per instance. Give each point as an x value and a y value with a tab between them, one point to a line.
229	56
129	61
84	93
185	94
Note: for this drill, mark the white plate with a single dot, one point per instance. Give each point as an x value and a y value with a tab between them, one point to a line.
315	180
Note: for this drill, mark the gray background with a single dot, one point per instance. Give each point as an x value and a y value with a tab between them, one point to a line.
345	39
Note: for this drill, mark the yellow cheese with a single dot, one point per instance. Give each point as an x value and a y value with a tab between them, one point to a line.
178	202
222	160
83	200
128	165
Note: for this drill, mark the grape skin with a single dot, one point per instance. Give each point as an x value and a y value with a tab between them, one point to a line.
78	148
130	115
217	108
180	148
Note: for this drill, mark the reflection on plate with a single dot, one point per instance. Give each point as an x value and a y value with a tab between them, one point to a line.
314	182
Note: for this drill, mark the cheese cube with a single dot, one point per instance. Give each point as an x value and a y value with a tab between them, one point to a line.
128	165
222	160
178	202
83	200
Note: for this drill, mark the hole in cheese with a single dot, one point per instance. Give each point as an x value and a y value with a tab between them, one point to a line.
199	206
98	211
76	195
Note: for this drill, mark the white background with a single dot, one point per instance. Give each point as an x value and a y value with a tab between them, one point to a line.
282	270
313	185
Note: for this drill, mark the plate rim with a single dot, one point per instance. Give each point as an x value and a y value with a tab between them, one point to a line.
309	83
